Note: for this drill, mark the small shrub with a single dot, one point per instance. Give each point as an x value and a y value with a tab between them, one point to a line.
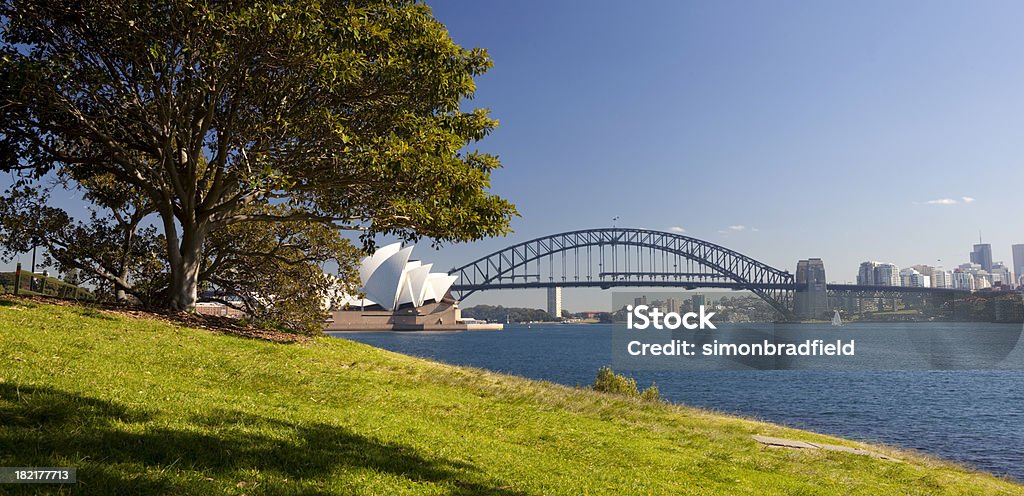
651	394
609	382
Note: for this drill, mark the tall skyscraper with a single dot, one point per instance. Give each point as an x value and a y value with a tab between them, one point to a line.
1018	260
555	302
982	255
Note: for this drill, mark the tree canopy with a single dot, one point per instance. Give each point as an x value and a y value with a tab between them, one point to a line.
211	114
512	314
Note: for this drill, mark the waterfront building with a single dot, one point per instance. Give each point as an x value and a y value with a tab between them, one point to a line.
1001	275
555	302
390	279
400	294
937	276
982	280
866	273
962	279
1018	261
672	305
925	270
942	278
911	278
982	255
887	274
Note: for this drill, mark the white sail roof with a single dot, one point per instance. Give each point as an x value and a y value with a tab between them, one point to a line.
386	280
416	279
390	279
439	284
372	262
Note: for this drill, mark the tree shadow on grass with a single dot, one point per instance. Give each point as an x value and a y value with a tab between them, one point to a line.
47	427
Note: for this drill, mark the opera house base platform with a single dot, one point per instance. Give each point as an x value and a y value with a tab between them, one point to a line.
435	316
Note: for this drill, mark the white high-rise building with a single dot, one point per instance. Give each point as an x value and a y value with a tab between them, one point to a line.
555	302
1001	275
937	276
982	278
963	279
942	278
911	278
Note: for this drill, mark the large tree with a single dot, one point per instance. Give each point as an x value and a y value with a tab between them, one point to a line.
346	113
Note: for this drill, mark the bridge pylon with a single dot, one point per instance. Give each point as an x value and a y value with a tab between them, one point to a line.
811	298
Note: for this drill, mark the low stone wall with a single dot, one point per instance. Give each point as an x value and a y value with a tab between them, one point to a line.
438	316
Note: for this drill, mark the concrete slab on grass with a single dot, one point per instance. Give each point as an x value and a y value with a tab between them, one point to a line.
778	442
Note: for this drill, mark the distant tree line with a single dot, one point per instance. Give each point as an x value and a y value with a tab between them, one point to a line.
499	313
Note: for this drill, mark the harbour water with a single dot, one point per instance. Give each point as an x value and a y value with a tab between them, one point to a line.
975	417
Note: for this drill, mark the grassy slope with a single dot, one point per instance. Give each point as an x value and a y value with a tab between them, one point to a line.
140	406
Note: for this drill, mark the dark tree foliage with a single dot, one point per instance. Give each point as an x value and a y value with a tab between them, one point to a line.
271	270
210	115
499	313
110	249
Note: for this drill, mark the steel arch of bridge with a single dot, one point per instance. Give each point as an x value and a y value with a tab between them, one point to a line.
624	257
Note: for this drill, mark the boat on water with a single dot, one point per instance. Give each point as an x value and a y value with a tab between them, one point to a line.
837	321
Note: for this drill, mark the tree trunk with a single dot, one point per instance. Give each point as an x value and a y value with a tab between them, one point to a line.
122	294
185	265
126	252
185	284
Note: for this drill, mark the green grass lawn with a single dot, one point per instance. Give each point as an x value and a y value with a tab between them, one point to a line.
142	406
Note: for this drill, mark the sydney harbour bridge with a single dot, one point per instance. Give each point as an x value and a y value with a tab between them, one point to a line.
625	257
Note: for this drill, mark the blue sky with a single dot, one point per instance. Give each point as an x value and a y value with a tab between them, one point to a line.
824	129
814	129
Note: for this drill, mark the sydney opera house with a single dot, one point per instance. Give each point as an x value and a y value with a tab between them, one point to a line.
402	295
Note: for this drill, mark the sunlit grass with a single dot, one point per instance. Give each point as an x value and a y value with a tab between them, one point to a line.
140	406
